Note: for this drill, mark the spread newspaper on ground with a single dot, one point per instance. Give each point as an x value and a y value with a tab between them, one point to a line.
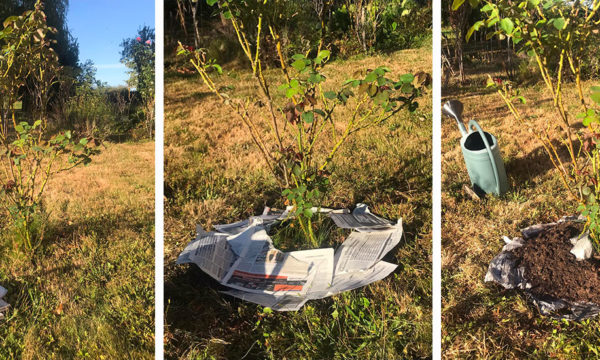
241	256
3	304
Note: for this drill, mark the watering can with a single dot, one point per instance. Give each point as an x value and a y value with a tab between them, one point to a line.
481	153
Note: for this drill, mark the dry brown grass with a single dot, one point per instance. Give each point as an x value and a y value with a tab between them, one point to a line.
482	320
215	174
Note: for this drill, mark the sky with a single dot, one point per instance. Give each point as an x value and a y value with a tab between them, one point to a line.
101	25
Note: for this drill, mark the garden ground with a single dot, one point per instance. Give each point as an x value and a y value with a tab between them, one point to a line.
482	320
214	174
88	291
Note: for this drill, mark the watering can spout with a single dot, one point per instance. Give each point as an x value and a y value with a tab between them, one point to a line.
454	109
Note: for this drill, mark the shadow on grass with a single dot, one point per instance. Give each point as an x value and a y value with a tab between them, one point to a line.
519	321
190	98
535	164
195	310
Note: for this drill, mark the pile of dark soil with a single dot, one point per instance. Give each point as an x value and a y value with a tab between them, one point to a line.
553	271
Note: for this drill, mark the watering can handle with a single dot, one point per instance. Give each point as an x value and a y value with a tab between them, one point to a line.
489	151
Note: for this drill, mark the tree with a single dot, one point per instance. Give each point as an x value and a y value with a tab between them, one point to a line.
138	56
66	46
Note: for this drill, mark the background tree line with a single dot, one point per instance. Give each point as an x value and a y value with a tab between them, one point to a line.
345	27
81	102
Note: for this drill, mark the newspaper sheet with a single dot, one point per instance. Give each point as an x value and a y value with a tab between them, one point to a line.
242	257
275	302
362	250
322	260
354	280
268	218
262	268
361	219
3	304
211	252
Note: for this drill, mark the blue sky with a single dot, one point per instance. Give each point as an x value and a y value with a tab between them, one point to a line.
101	25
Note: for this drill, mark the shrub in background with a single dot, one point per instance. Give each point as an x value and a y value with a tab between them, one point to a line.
138	56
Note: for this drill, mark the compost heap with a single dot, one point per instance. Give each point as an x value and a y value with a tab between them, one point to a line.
3	304
541	264
241	256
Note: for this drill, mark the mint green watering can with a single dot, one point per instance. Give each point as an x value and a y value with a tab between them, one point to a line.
481	153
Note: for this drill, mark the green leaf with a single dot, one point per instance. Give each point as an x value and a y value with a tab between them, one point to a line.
308	213
218	68
330	95
308	117
456	4
298	57
324	54
297	171
335	314
407	88
291	92
372	76
507	25
407	78
299	65
315	78
474	28
320	112
266	310
211	2
559	23
372	90
587	121
595	97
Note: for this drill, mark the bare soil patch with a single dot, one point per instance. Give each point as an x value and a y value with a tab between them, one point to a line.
553	271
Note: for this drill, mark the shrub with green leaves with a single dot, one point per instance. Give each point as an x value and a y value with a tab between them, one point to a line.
547	30
590	178
304	132
29	155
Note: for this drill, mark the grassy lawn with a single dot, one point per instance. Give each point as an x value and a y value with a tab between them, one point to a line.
483	320
88	291
214	174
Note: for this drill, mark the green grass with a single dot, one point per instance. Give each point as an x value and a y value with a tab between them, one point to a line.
214	174
88	291
483	320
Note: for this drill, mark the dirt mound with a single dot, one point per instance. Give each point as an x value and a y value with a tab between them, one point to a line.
553	271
